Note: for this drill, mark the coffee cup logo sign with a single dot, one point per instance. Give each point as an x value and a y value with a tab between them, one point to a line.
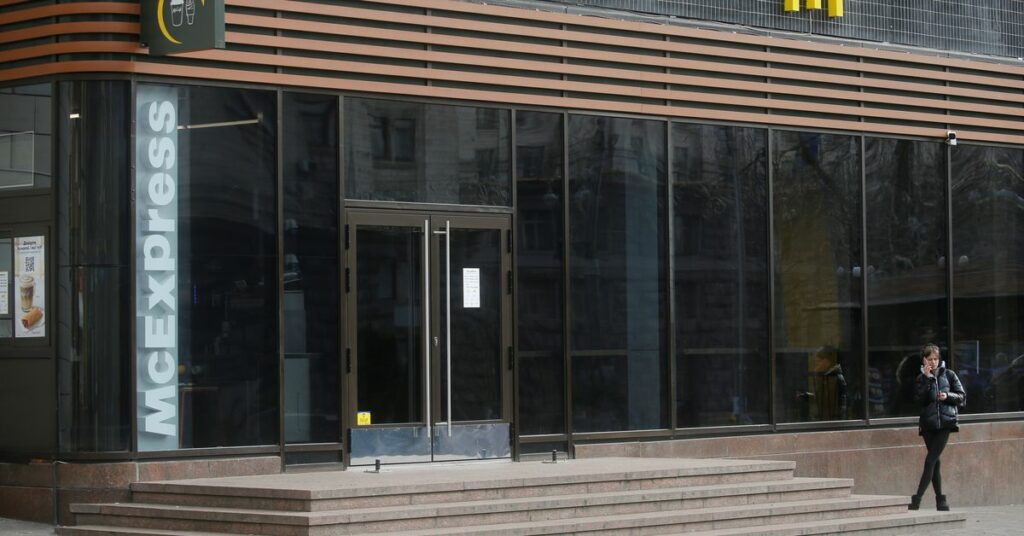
172	26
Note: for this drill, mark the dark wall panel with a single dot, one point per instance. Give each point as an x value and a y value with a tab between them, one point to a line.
26	384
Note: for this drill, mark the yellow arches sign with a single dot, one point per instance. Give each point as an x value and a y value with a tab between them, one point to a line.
170	26
835	7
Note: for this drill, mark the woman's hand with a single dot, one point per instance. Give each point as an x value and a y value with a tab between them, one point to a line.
943	395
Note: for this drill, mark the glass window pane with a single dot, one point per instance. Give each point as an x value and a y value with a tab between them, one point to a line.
95	375
311	201
228	268
389	290
476	352
988	276
720	241
618	273
817	256
224	281
905	184
540	247
25	137
427	153
94	260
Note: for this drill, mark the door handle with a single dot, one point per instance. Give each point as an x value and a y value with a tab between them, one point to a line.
448	312
426	322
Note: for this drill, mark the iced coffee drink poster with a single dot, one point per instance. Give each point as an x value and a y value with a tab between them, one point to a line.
29	286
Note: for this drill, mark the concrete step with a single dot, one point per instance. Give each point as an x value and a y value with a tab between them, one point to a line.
456	514
893	524
355	489
905	523
686	521
97	530
595	497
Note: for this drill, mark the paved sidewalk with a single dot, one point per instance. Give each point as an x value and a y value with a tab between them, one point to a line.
981	520
1003	520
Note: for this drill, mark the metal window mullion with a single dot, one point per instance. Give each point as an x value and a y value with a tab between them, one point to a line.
770	216
864	283
279	175
671	291
566	288
950	284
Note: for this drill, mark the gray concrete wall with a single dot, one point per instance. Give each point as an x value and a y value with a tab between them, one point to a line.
981	464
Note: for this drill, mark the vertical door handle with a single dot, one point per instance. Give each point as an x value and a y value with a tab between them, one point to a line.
426	321
448	312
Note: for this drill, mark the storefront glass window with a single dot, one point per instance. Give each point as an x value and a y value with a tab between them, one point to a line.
540	164
720	239
206	258
427	153
818	297
905	188
25	137
311	268
988	276
618	278
94	265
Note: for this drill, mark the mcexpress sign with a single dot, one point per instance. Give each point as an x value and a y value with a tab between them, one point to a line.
156	275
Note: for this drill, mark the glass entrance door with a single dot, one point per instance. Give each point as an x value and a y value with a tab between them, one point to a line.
429	317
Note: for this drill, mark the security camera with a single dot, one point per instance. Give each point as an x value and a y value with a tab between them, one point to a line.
950	137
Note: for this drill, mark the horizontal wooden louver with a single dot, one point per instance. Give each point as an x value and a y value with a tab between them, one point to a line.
470	51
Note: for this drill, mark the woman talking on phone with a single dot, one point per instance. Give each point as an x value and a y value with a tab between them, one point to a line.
940	395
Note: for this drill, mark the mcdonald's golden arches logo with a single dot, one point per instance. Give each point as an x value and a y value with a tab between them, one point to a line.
835	7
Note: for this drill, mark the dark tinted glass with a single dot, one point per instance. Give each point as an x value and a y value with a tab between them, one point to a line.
427	153
228	298
311	200
988	276
818	296
93	258
540	165
26	136
389	290
93	194
720	241
618	273
905	189
476	353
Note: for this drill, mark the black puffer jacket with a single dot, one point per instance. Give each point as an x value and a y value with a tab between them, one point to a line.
939	414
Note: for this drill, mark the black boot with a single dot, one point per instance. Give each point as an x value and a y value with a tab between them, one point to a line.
941	504
915	502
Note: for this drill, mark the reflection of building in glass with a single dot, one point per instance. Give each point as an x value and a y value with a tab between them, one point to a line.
705	231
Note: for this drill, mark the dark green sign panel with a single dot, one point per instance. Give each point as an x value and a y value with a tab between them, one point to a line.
172	26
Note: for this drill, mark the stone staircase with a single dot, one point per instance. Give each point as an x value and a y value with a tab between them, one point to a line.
594	496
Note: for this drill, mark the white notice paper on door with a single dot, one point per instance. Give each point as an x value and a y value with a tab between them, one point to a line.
471	288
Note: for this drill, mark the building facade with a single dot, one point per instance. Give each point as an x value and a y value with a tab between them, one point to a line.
427	230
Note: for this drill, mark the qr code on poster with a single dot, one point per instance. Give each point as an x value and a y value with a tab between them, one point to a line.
30	264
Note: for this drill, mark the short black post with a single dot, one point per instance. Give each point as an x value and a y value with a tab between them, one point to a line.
376	465
554	456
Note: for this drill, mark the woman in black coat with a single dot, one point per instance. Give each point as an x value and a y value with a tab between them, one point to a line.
940	395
